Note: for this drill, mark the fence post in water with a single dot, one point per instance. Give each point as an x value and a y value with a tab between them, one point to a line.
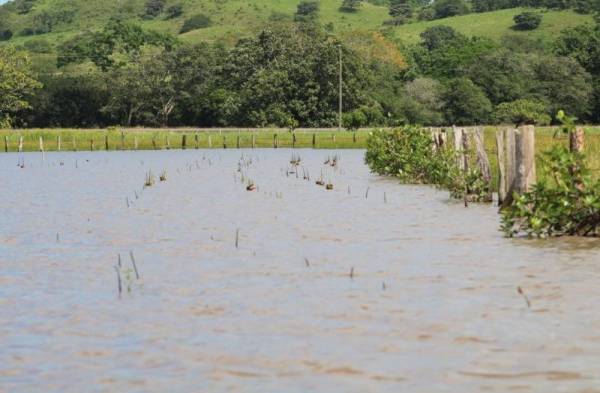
238	141
482	160
41	144
354	136
21	144
58	143
106	142
224	142
500	137
196	142
183	141
275	142
525	164
314	140
167	142
122	140
520	162
253	140
458	147
92	144
6	143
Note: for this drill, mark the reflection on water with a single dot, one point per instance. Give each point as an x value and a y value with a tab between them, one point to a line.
431	303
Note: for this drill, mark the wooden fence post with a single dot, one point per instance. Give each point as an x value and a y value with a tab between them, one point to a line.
58	143
41	144
500	138
354	136
458	147
196	141
577	140
153	142
21	144
275	142
73	143
482	161
167	142
237	143
253	140
122	140
91	144
525	152
209	141
6	143
520	160
106	142
183	141
224	142
314	140
293	139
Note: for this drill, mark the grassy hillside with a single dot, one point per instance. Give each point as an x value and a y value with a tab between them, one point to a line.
233	19
496	24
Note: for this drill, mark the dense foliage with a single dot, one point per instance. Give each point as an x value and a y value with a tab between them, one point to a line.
407	154
287	72
566	204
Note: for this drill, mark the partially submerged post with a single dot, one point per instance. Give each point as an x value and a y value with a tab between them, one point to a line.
458	147
106	142
519	162
196	142
183	141
275	141
314	140
482	161
6	143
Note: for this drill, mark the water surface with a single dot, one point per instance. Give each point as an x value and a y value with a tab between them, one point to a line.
431	305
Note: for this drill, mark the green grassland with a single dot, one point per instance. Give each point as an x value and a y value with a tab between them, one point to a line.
495	25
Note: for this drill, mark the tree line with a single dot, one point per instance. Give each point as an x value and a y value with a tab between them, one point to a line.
287	76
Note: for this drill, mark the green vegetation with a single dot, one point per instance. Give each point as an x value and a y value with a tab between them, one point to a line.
527	21
131	67
565	202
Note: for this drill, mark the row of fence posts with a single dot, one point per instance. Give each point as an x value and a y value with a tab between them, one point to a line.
515	149
167	144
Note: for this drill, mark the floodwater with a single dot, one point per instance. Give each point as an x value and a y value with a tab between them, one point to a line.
337	291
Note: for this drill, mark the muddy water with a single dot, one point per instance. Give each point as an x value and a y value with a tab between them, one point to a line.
432	304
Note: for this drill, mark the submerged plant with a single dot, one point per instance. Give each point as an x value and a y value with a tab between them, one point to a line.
163	176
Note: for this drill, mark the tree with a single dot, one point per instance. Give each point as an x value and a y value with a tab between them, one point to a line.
400	8
350	5
439	36
174	11
447	8
527	21
198	21
16	83
154	8
465	103
307	11
422	102
522	111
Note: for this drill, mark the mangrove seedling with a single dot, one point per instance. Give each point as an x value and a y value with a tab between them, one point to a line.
149	182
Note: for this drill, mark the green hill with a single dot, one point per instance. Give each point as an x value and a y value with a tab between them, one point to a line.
233	19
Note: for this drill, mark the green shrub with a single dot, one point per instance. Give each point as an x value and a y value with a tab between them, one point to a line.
521	112
174	11
407	153
567	204
198	21
527	21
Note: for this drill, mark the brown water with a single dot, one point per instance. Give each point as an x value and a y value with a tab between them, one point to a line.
432	304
